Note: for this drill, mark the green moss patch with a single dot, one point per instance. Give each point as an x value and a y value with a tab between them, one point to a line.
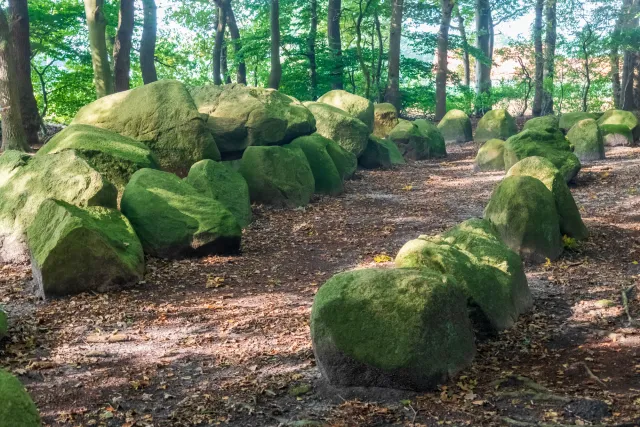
328	179
455	127
496	124
16	406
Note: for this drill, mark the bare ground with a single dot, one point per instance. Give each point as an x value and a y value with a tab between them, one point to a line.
225	340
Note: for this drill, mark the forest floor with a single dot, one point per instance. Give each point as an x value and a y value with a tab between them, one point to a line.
225	340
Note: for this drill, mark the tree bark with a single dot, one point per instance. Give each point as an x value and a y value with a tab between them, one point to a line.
311	50
335	43
483	65
13	136
630	12
392	94
376	19
96	24
241	73
614	56
539	59
550	57
122	46
465	46
225	63
276	68
221	22
443	64
148	42
363	66
31	120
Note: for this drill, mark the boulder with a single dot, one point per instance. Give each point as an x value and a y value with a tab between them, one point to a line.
346	162
376	155
388	328
16	407
394	152
455	126
496	124
64	176
10	162
325	173
239	116
543	123
619	117
586	139
357	106
540	168
161	115
115	156
385	118
333	123
616	135
75	250
418	141
278	176
524	212
490	156
436	145
174	220
568	120
550	145
4	327
221	182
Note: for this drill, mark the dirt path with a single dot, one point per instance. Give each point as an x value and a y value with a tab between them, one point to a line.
225	340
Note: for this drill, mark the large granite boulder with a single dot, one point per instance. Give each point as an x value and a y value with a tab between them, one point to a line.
357	106
376	155
174	220
16	407
221	182
396	328
325	173
620	117
587	141
490	156
64	176
385	118
418	140
10	163
568	120
496	124
278	176
76	250
349	132
617	135
161	115
543	123
455	126
115	156
239	116
346	162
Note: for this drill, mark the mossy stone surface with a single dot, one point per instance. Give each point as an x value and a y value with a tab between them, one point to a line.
357	106
387	328
394	152
587	141
115	156
455	127
436	146
616	135
568	120
543	123
346	162
619	117
385	118
76	250
496	124
10	162
224	184
174	220
490	156
278	176
376	155
16	407
325	173
331	122
418	140
540	168
163	116
524	212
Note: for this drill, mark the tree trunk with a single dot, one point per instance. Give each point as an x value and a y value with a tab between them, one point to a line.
148	42
225	63
587	74
614	56
443	52
636	85
483	65
550	57
122	46
630	12
376	19
539	59
311	50
276	68
13	136
96	23
392	94
363	66
221	22
335	43
465	46
241	73
31	120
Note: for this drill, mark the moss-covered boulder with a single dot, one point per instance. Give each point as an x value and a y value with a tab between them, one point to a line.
174	220
418	140
163	116
4	326
76	250
376	155
115	156
10	162
221	182
436	145
346	162
490	156
357	106
543	123
496	124
385	118
278	176
239	116
553	146
16	407
587	141
325	172
619	117
540	168
394	152
388	328
568	120
64	176
524	212
617	135
455	126
349	132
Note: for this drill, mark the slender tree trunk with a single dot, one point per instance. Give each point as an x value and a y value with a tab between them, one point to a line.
483	65
311	50
241	73
148	42
627	101
614	56
31	120
376	19
221	22
465	46
550	57
363	66
392	94
636	86
587	74
539	59
13	136
443	63
122	46
96	23
335	43
276	68
225	63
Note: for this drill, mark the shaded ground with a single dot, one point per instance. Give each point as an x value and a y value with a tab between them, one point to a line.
225	340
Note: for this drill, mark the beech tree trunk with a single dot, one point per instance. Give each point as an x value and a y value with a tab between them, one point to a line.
465	46
225	63
276	68
221	22
483	65
627	99
376	20
122	46
366	72
392	94
97	24
241	73
614	56
148	42
539	59
311	50
335	43
443	52
550	57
